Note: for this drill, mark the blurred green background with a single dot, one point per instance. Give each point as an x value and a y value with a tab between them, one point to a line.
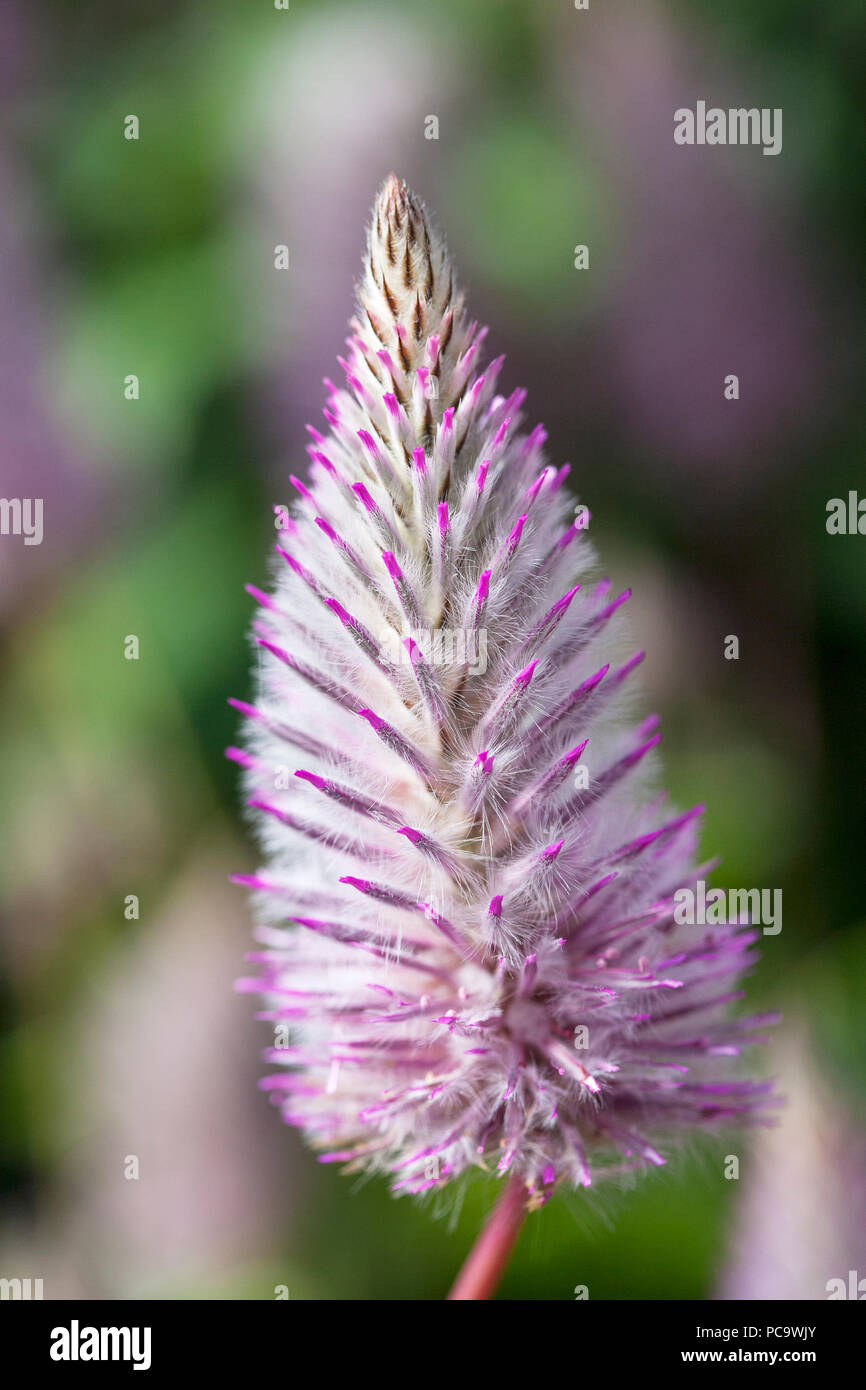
122	1036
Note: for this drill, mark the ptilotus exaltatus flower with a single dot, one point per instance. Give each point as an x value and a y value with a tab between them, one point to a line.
467	912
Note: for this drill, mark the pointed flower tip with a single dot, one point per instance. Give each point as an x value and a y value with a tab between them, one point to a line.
525	676
630	665
361	492
563	603
374	720
411	834
360	883
262	599
550	852
574	754
326	463
394	195
312	777
241	705
369	444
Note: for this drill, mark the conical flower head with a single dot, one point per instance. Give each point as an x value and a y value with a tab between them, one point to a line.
470	953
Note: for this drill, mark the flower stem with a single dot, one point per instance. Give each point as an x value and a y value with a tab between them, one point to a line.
486	1261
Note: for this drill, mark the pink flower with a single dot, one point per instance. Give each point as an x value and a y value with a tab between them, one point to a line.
467	920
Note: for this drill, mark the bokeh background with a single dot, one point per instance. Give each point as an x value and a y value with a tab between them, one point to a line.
259	127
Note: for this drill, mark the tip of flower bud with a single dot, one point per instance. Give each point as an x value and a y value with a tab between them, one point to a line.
395	202
312	777
240	756
525	676
550	852
408	287
374	720
392	188
414	835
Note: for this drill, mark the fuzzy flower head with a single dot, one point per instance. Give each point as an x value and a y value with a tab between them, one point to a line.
469	949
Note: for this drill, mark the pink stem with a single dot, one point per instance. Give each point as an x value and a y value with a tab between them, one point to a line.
486	1261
